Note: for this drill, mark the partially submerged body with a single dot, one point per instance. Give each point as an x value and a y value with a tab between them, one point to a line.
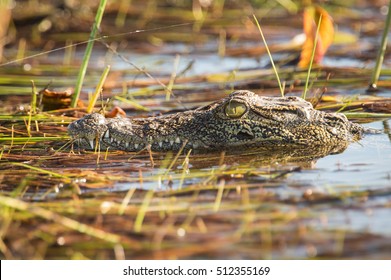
241	120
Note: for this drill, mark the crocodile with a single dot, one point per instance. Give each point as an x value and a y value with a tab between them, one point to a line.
242	120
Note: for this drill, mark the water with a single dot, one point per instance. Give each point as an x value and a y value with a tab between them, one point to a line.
355	184
364	164
362	174
363	170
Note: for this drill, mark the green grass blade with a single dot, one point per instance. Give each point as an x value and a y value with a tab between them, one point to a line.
270	55
33	139
34	95
98	89
382	50
44	171
312	58
133	103
172	78
143	210
87	54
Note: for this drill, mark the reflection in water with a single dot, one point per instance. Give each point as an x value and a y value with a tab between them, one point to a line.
266	162
365	164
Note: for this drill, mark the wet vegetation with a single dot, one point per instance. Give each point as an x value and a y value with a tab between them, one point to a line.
57	202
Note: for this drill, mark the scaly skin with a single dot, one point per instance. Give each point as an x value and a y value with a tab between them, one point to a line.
241	120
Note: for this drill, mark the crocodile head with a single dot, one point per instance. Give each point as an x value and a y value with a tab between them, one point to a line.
240	120
245	119
88	129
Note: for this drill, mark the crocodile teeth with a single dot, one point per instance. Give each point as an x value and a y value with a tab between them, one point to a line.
160	144
107	134
177	140
91	143
127	144
136	145
111	140
171	142
166	140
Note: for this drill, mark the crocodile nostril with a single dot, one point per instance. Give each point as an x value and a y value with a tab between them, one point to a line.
245	136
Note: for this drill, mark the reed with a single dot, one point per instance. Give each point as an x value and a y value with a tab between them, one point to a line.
270	56
312	58
87	53
98	89
382	51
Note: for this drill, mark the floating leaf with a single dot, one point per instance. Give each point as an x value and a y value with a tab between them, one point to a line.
324	39
53	100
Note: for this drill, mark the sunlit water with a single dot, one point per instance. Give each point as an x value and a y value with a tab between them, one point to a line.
364	164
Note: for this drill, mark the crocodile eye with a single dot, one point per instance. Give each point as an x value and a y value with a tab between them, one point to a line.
235	109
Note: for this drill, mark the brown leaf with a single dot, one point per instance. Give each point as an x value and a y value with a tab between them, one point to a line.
5	17
53	100
311	18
